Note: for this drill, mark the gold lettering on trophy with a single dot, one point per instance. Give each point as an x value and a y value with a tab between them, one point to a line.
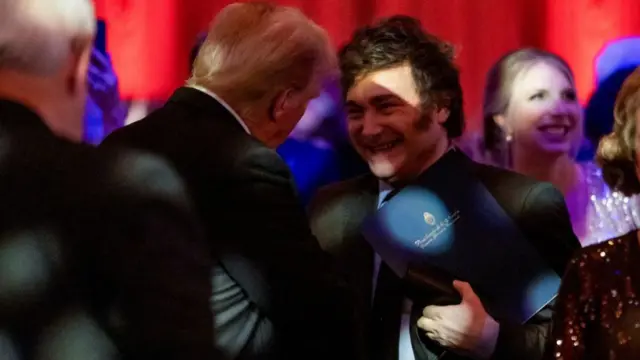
438	227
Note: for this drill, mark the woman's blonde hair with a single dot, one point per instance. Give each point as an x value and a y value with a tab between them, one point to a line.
255	50
497	95
617	151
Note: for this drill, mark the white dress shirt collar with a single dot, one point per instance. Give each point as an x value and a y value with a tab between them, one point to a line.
226	106
383	189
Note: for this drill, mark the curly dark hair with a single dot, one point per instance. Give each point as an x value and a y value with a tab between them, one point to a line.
617	151
401	39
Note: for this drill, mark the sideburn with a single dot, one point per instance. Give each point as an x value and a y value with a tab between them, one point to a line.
424	122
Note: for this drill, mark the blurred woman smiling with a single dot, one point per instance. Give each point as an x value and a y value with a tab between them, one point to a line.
533	124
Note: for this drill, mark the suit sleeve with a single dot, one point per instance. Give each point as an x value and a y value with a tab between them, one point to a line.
153	254
546	220
303	292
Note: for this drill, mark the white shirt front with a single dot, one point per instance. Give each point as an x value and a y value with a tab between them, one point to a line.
405	349
226	106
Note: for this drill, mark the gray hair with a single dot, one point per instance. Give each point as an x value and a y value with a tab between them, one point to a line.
36	36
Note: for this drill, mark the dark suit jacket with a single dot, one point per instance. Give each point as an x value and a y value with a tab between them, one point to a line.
537	208
98	251
277	296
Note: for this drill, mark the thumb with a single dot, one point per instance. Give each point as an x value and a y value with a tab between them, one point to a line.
466	292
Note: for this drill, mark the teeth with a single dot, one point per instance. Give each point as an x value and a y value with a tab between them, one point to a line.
556	130
383	147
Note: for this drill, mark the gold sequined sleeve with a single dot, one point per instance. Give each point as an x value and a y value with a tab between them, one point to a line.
571	315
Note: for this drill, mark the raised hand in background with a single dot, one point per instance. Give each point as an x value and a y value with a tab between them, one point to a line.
104	95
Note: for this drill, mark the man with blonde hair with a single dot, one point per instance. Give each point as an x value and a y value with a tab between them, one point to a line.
275	294
100	255
266	63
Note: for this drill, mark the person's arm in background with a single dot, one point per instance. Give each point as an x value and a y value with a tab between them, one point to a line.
105	94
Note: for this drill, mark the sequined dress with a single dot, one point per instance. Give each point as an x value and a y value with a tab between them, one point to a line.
598	309
609	213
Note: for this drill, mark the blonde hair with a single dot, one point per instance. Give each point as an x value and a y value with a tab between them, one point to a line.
37	35
255	50
497	95
617	151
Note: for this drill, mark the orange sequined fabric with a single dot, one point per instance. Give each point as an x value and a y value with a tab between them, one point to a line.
597	309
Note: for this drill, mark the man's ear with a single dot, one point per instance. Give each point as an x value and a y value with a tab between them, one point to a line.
440	115
285	101
78	65
280	104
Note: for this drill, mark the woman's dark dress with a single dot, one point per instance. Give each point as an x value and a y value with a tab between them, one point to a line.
598	309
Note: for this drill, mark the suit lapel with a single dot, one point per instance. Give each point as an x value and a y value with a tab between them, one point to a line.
360	256
423	348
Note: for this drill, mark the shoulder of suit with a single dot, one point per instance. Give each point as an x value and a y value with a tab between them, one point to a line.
136	174
339	193
515	191
494	176
353	185
485	171
254	154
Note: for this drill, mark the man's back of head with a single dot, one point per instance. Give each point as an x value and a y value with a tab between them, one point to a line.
45	47
265	61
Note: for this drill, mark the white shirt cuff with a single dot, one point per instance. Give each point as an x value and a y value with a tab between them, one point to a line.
488	339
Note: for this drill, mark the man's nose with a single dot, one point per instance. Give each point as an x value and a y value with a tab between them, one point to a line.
370	126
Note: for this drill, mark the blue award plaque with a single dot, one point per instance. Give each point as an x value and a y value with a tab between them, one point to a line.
448	220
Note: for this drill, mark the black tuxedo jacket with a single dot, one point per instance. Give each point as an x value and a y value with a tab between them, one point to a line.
276	295
99	251
537	208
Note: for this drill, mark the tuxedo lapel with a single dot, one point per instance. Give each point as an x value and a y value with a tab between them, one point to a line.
423	347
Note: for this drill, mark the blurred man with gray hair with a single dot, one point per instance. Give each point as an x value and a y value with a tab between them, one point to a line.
276	295
100	255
